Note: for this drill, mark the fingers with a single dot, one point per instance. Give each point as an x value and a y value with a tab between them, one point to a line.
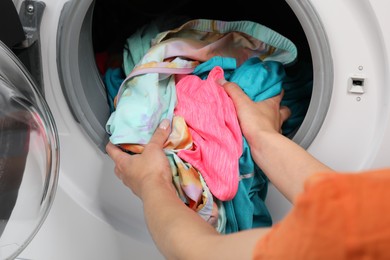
263	108
280	96
161	134
159	137
235	93
118	156
238	95
113	151
285	113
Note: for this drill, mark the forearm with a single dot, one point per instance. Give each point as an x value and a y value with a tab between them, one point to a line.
286	164
173	226
180	233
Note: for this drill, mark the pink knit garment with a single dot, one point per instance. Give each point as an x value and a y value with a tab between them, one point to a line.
212	120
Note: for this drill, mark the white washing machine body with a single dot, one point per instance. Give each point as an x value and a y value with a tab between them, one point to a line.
347	125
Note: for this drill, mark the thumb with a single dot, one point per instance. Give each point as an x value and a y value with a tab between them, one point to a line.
285	113
237	95
161	134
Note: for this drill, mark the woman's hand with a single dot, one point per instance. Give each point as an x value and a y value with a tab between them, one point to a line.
255	117
141	172
285	163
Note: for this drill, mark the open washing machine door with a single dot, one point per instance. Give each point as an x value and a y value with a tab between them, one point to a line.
29	156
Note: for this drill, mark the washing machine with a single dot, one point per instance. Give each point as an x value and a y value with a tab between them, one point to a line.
68	203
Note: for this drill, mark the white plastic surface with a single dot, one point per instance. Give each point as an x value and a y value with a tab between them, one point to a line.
70	232
356	124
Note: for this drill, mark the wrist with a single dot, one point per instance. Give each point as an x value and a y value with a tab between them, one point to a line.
262	137
156	188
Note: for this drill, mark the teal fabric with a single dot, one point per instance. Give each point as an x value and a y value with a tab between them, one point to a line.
298	86
259	79
113	79
247	209
226	63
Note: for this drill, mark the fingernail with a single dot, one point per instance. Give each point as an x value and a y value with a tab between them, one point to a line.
221	81
164	124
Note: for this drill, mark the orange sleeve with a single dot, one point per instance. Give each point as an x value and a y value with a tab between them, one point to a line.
338	216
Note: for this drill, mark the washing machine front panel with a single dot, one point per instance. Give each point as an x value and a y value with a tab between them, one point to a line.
357	120
381	157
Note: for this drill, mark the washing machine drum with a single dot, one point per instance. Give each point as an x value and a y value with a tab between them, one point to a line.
28	156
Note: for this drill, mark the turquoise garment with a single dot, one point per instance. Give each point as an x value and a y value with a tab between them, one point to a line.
226	63
259	79
297	85
113	79
247	209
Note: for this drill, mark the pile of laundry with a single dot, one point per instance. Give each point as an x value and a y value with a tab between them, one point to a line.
169	70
